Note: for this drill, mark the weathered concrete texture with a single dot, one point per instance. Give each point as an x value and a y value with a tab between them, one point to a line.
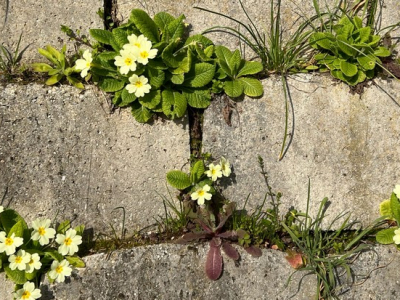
176	272
40	22
389	14
62	150
345	144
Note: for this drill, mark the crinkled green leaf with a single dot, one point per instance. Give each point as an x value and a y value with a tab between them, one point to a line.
395	207
320	39
145	24
363	34
120	37
385	236
126	98
348	69
233	88
382	52
178	179
156	77
367	62
54	79
54	254
345	46
200	75
197	171
174	104
384	209
170	58
250	68
49	56
75	261
176	29
235	62
198	98
151	99
177	78
162	19
17	276
63	227
41	67
111	85
102	36
251	87
199	39
9	218
141	113
107	55
224	57
75	82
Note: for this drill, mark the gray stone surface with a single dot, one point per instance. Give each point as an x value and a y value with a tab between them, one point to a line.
63	151
40	23
175	272
347	145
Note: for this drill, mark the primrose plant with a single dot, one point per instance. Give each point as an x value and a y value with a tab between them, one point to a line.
349	50
28	253
391	209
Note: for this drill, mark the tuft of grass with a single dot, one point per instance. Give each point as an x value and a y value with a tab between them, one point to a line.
10	61
328	252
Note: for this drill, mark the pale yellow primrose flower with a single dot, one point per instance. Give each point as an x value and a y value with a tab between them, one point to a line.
138	85
28	292
19	260
136	41
214	172
84	64
34	263
59	270
68	242
225	167
9	244
396	237
146	53
397	190
126	61
42	231
201	194
1	209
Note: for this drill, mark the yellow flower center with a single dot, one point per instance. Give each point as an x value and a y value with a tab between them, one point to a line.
201	193
42	231
67	241
59	269
128	61
213	171
137	44
31	261
87	64
138	84
26	295
144	54
18	259
9	241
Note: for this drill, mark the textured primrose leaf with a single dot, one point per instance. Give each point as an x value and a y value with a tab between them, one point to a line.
120	37
169	57
367	62
385	236
235	62
176	28
345	45
151	100
75	261
75	82
156	77
9	218
197	171
251	87
250	68
174	104
15	275
224	56
348	69
162	19
177	78
320	39
126	98
54	79
48	55
145	24
214	261
384	208
18	229
234	88
382	52
102	36
141	113
200	75
395	207
364	34
111	85
178	179
41	67
54	255
199	39
198	98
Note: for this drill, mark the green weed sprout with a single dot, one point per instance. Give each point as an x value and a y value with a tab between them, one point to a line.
390	210
61	67
28	253
9	61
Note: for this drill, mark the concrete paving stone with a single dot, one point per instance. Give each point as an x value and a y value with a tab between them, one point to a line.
177	272
40	22
63	152
347	145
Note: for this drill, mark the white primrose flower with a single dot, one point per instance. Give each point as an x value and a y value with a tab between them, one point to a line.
201	194
28	292
214	172
396	237
397	190
127	60
138	85
146	53
19	260
59	270
42	231
9	244
136	41
83	64
34	263
68	242
1	209
225	167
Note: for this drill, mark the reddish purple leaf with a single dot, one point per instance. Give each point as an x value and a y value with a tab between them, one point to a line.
254	251
230	251
214	261
191	236
228	235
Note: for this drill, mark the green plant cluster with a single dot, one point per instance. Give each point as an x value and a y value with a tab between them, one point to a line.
349	50
390	210
17	237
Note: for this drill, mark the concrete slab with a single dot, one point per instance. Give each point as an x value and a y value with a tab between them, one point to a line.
39	22
347	145
175	272
63	151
